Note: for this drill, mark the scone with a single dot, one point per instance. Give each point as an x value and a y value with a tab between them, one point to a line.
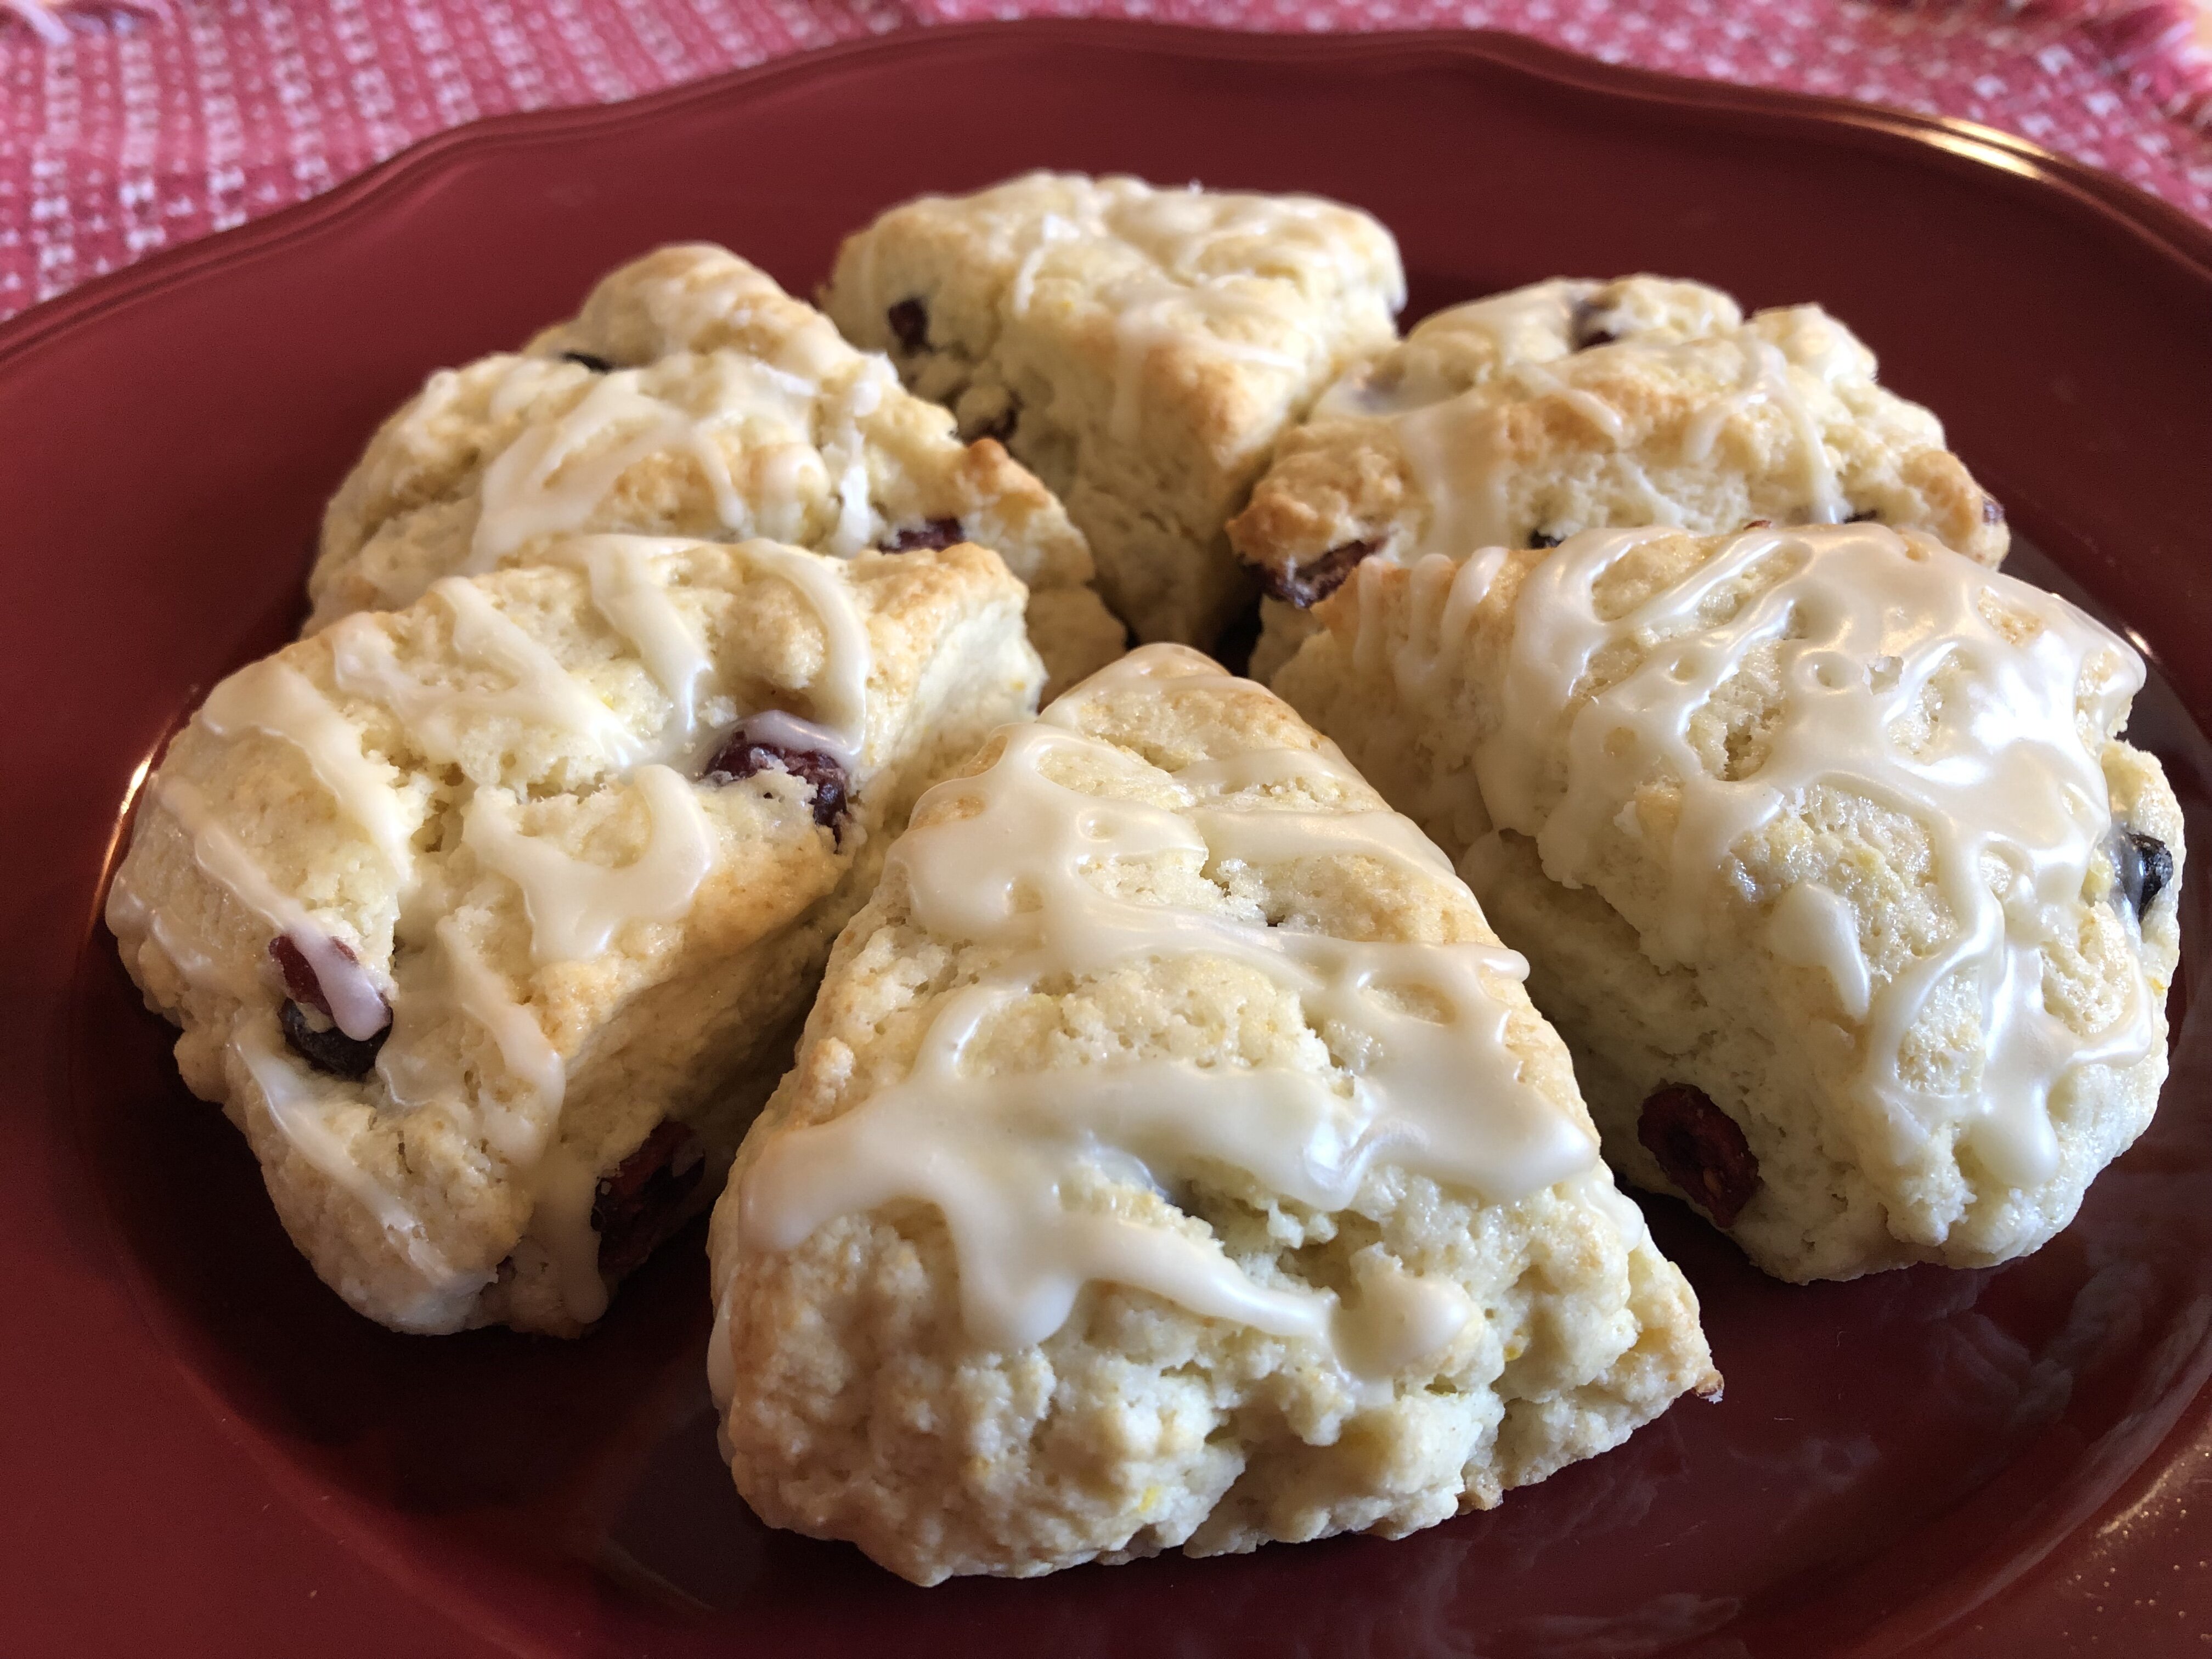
1828	859
491	920
692	397
1173	1160
1519	420
1139	349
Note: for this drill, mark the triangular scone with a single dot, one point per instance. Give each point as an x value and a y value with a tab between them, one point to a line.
1830	868
1140	348
490	920
1518	420
691	397
1173	1160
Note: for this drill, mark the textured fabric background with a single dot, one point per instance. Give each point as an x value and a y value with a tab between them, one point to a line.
139	129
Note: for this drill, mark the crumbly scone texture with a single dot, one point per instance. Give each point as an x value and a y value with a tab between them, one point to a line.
858	1405
1766	1039
1141	350
691	396
418	1193
1574	405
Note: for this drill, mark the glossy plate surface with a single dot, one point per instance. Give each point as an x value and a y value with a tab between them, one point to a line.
204	1452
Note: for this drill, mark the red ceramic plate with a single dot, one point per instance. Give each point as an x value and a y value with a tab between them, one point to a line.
201	1451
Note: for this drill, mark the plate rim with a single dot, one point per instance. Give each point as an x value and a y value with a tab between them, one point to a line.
2003	158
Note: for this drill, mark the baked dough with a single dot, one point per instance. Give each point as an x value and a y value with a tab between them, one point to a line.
1521	419
1173	1161
691	396
488	921
1139	349
1829	863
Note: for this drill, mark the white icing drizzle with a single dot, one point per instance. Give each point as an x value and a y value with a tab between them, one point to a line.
1152	312
1540	382
1440	1096
1446	592
575	906
1815	926
415	1070
277	700
1863	620
543	484
637	605
539	690
354	993
562	1186
840	692
1765	379
130	918
418	1066
298	1106
1450	439
1458	467
1172	298
845	453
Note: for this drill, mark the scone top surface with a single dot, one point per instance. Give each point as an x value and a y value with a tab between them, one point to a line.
1173	1138
455	903
1833	824
1524	418
1142	348
691	396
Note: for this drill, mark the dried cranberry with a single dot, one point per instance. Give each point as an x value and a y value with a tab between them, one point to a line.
934	533
329	1050
1316	581
909	322
1992	510
1701	1149
1589	326
597	365
2142	869
300	981
743	756
636	1207
1544	539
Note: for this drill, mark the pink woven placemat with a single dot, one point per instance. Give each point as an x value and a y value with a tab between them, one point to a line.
133	131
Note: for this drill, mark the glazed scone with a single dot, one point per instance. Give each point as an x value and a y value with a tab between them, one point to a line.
491	920
1139	349
1830	865
691	397
1519	420
1173	1160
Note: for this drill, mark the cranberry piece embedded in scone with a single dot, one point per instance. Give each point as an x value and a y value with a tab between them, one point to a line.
310	1027
936	533
742	755
1700	1148
2143	867
1540	538
642	1202
909	322
1314	582
1590	325
300	981
326	1048
597	365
